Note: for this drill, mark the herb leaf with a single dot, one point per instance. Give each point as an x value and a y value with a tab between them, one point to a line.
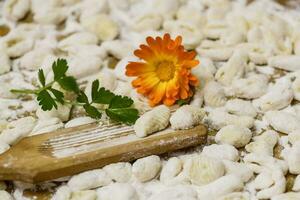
82	98
59	68
92	111
102	95
125	115
42	77
45	100
58	95
69	83
95	86
120	102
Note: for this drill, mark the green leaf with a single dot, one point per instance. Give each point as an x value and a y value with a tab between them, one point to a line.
58	95
42	77
125	115
82	98
103	96
95	86
181	102
45	100
120	102
69	83
59	68
92	111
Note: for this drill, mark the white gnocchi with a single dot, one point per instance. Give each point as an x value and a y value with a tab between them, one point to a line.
152	121
186	117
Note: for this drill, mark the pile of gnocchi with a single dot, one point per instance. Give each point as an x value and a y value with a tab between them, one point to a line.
249	95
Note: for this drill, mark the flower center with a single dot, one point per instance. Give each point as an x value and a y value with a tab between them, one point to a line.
165	70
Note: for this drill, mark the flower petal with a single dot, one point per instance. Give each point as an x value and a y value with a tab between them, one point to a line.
138	68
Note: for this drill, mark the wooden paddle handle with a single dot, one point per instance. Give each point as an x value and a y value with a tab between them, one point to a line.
26	163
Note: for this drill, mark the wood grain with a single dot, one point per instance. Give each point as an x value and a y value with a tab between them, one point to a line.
26	162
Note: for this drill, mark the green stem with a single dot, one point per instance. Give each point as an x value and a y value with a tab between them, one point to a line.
25	91
73	103
49	85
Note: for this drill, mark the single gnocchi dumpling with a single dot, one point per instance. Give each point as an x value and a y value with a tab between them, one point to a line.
240	107
33	60
282	121
216	54
81	65
186	117
18	129
89	180
221	151
219	118
171	169
62	112
285	62
147	168
234	68
79	121
101	25
220	187
78	38
234	135
251	87
232	37
263	180
16	9
278	96
214	94
17	46
44	126
205	169
149	21
152	121
239	169
119	172
193	36
205	72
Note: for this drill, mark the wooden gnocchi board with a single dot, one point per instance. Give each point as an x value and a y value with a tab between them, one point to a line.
70	151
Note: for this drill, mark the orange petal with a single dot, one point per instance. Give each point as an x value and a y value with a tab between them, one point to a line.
138	68
193	80
147	84
169	101
172	89
158	93
190	63
144	53
183	93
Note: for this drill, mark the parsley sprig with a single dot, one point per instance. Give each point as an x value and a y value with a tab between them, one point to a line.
118	108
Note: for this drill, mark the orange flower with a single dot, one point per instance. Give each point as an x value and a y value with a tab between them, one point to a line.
165	75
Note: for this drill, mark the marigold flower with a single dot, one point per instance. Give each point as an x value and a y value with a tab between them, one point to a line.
165	75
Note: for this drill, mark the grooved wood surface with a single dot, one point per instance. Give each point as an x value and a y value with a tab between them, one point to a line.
30	161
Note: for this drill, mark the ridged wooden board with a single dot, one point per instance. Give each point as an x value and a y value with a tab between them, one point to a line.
70	151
